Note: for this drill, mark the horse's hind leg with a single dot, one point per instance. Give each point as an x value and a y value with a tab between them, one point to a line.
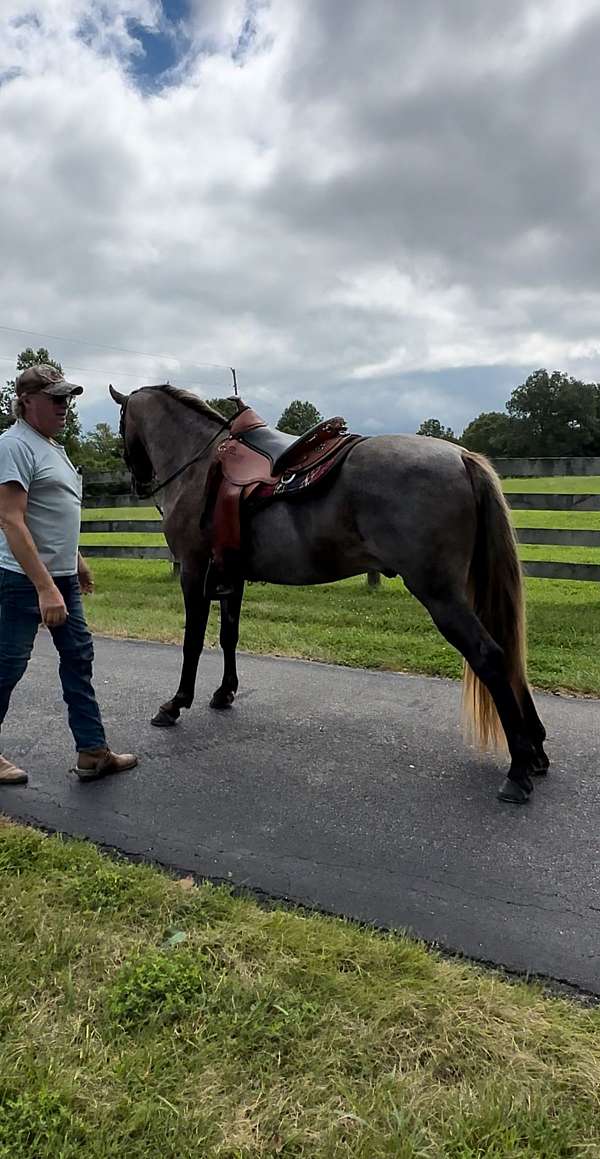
524	732
541	763
230	631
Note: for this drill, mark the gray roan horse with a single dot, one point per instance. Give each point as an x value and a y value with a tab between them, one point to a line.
420	508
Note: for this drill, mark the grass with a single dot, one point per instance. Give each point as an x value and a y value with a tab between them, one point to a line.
574	520
565	484
151	1018
560	554
120	513
126	538
347	623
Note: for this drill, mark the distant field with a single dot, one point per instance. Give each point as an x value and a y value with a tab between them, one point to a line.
120	513
122	538
569	484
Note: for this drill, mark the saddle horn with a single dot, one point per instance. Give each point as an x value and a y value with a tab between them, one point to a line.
116	395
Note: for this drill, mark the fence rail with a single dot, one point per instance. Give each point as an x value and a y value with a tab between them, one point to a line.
111	526
519	468
118	551
562	571
116	500
544	501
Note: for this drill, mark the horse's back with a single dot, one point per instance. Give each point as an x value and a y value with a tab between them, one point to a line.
415	467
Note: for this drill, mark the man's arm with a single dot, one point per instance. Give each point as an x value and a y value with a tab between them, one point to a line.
13	507
86	579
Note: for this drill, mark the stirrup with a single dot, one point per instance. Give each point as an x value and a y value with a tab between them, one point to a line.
218	585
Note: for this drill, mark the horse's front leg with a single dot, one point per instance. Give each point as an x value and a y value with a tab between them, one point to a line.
197	608
230	631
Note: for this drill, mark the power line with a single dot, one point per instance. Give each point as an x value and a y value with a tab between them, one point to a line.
103	346
107	373
86	369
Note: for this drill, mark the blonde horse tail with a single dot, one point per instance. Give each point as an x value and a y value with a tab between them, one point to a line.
496	594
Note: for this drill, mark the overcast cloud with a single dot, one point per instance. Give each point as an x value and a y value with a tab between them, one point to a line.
389	208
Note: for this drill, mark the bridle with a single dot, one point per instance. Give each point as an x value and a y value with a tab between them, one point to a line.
175	474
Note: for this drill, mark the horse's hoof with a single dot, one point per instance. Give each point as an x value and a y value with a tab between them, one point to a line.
221	700
540	766
515	792
164	719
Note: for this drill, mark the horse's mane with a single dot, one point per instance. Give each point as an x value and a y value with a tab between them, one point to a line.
188	399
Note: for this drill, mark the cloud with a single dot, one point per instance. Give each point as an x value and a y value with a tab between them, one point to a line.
390	209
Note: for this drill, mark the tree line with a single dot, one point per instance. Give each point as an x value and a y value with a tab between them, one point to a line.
551	414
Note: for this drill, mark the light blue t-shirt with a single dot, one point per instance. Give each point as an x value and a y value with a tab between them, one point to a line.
53	489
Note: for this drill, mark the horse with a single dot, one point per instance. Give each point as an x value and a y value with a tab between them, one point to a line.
424	509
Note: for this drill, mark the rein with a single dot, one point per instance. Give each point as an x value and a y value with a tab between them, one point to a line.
180	470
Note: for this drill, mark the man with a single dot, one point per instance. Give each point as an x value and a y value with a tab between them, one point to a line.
42	573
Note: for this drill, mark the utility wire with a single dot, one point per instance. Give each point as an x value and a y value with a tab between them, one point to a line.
116	373
86	369
103	346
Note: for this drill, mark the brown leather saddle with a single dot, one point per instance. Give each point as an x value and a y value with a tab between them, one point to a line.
255	465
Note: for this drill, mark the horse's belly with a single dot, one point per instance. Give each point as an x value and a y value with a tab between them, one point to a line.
303	543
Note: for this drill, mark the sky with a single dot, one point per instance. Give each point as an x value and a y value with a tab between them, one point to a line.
387	208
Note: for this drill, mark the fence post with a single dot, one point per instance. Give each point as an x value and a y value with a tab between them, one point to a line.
373	579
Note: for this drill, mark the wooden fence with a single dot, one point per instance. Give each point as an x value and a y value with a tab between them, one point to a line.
114	491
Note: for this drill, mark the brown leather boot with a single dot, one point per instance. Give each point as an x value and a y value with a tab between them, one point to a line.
11	774
97	763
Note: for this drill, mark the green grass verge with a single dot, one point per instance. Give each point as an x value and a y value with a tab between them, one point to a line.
120	513
569	520
125	538
155	1019
569	484
347	623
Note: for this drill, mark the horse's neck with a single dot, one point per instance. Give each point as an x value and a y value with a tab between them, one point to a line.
173	435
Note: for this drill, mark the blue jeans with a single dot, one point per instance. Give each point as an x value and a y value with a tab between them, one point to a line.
19	621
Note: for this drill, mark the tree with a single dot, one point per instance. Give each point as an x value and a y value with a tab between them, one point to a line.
102	449
71	438
434	430
225	406
557	415
492	433
299	417
7	394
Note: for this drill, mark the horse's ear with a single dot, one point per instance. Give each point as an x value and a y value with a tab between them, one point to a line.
117	397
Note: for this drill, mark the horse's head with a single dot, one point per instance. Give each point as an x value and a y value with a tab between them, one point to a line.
134	452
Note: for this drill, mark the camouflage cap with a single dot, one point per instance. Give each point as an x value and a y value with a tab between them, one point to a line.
47	379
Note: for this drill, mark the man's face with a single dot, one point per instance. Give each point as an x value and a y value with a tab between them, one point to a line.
46	413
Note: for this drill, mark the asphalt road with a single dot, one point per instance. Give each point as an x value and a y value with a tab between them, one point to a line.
345	790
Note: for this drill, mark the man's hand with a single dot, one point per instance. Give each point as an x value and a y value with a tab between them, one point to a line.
52	607
86	580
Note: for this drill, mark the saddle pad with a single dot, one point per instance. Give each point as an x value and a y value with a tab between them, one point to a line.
295	484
